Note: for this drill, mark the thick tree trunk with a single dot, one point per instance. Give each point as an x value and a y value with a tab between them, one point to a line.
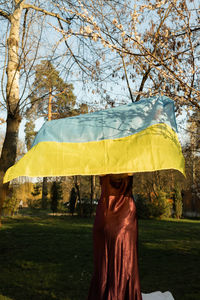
13	64
9	150
8	154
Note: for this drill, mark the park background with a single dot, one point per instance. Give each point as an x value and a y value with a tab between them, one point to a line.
62	58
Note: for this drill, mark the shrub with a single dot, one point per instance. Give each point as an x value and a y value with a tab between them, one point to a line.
37	189
164	206
34	203
143	206
157	207
84	209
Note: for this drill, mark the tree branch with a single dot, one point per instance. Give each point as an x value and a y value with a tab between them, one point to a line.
186	32
144	79
129	88
157	37
29	6
72	54
4	14
18	3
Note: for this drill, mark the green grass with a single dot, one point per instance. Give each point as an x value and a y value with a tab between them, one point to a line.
51	258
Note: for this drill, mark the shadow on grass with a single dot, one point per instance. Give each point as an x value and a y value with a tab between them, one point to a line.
169	257
47	258
51	258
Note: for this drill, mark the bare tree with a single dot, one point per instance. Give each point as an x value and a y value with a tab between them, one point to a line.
24	25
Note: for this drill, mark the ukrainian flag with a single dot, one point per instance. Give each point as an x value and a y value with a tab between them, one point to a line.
136	137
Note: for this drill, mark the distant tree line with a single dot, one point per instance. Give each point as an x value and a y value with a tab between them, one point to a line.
157	194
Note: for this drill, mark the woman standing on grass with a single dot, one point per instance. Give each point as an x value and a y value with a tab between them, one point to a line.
115	232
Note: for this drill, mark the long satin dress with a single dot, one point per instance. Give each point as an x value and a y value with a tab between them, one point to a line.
116	275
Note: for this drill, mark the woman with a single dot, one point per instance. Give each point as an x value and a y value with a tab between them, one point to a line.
116	275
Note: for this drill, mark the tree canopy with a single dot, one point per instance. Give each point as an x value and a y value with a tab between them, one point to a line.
153	44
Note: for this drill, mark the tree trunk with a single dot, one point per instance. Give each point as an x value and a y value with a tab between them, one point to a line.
44	193
93	193
13	64
44	182
9	150
8	154
78	194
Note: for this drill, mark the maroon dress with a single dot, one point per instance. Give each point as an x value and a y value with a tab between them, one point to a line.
116	275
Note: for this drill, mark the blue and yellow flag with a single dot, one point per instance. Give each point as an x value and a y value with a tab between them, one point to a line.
136	137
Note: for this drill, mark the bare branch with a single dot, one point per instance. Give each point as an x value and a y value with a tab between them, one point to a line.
5	14
72	54
31	67
18	3
4	68
129	88
29	6
24	28
157	37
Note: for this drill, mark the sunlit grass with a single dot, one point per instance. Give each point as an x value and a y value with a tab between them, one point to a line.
51	258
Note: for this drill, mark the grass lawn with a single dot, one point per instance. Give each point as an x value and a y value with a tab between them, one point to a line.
51	258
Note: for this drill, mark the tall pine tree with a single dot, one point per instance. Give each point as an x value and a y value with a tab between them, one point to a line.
52	98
